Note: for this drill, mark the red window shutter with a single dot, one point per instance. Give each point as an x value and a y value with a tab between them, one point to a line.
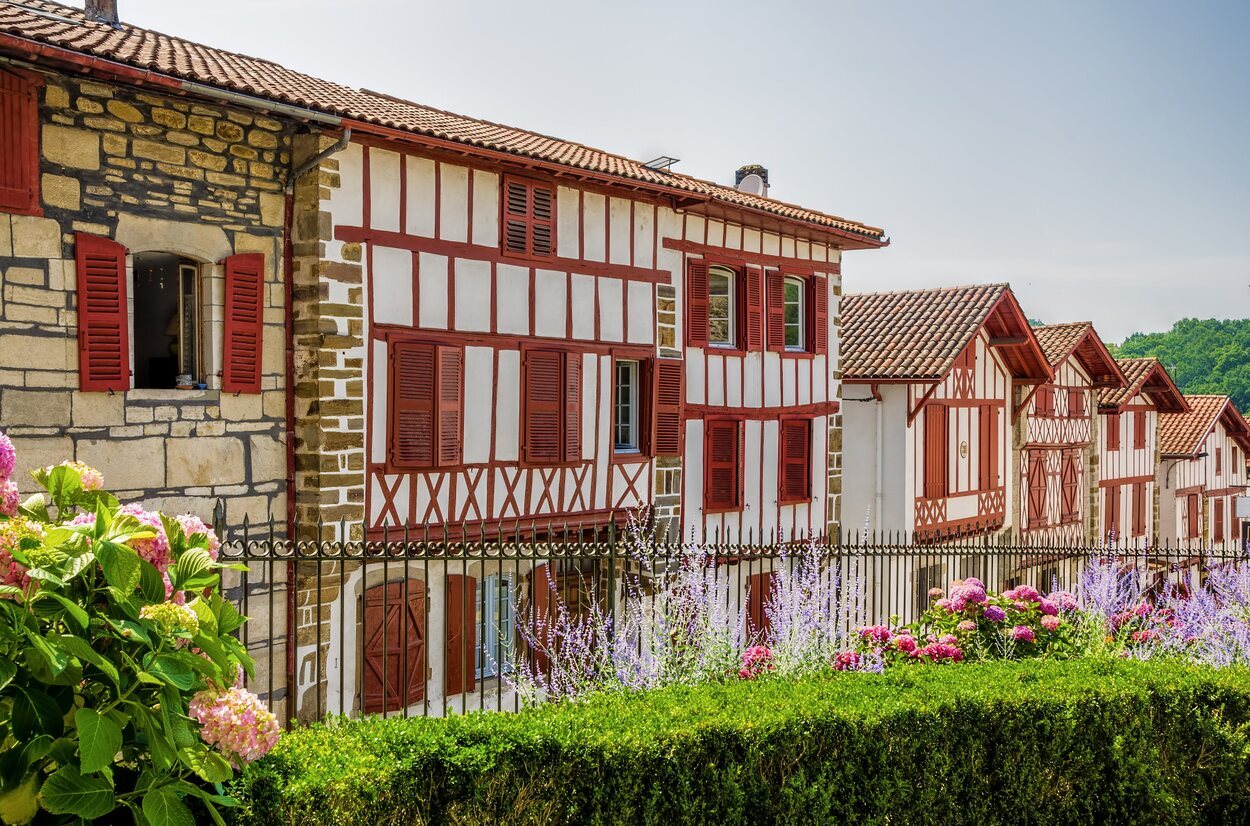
529	210
516	217
1070	492
818	290
461	634
795	475
1037	489
696	303
775	304
1217	520
754	287
721	466
103	328
988	452
1076	403
668	396
759	595
540	617
413	421
394	646
542	221
19	144
544	414
1219	463
1111	507
1192	511
573	407
1113	431
1139	509
937	451
1139	429
244	323
450	391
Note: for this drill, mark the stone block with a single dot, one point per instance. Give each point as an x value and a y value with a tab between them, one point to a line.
201	124
35	237
43	352
272	209
255	508
201	506
98	409
36	452
170	118
124	111
56	97
34	407
153	151
243	407
61	192
25	312
216	461
74	148
132	464
31	276
6	236
268	459
40	297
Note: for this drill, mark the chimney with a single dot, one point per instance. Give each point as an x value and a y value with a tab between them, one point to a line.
102	11
752	179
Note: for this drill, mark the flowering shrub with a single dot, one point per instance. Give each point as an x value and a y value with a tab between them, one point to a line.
756	660
117	653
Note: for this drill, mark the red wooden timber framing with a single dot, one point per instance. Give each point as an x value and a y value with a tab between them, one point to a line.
762	414
737	258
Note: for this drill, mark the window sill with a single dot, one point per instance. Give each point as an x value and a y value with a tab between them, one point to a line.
797	354
172	395
629	457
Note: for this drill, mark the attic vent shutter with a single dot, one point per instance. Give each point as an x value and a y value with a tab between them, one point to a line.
103	332
796	460
572	407
776	305
528	218
543	380
696	303
244	331
820	315
412	404
461	635
19	149
668	407
542	221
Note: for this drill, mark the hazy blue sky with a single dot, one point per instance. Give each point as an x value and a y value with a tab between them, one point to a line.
1095	155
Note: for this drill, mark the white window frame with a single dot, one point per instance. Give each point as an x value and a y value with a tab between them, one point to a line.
497	614
626	397
801	324
714	274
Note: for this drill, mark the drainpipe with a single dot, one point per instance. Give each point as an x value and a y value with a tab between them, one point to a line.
879	494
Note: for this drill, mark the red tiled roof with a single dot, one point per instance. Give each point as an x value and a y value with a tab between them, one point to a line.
918	334
1059	341
1144	375
67	28
1181	434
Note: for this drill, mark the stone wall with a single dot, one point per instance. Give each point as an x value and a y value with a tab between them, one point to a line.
156	174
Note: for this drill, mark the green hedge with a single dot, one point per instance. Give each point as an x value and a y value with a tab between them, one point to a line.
1032	742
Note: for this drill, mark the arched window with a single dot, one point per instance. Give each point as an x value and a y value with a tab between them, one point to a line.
722	310
166	321
795	304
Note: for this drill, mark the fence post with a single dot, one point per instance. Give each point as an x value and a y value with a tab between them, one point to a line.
611	573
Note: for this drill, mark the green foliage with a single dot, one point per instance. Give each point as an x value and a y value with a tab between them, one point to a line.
97	665
1203	356
1077	741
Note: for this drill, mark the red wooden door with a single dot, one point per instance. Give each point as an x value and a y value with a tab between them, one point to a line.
1037	489
394	646
460	634
759	595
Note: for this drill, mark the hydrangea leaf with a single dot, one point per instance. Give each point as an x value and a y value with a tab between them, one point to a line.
68	792
99	740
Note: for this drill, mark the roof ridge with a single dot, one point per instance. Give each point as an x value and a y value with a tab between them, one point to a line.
918	291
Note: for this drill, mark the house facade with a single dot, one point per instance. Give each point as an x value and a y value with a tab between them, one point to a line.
1124	494
934	382
1056	457
1202	470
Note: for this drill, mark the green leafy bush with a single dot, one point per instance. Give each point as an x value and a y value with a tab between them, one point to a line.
117	657
1080	741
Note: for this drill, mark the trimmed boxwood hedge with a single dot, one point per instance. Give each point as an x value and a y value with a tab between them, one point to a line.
1033	742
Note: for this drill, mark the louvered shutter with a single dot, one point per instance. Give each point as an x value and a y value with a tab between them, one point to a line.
1111	505
937	451
754	286
450	392
987	451
1113	431
796	461
721	452
412	392
775	307
759	595
544	414
19	144
667	403
1139	429
819	337
1037	489
244	323
1217	520
1069	489
1192	510
516	217
1139	509
103	330
1076	403
394	646
572	407
542	221
460	652
696	303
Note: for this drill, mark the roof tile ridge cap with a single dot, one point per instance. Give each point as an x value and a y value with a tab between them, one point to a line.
777	201
925	290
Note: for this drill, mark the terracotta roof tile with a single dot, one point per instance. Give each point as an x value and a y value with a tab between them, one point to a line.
1059	340
67	28
1180	434
1079	338
1144	375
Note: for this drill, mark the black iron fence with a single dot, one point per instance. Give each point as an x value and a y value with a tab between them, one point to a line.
410	624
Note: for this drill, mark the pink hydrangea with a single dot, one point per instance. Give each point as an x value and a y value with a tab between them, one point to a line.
974	582
1063	600
1023	593
995	614
1143	636
9	498
1023	633
846	661
8	456
967	594
1051	623
939	652
236	723
155	549
935	593
1048	608
876	633
948	639
12	533
943	605
755	661
967	625
192	524
905	643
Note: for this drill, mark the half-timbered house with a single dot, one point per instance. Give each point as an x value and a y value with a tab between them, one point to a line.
1056	456
1123	495
1202	470
934	380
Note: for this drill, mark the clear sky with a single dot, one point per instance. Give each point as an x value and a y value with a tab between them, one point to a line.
1095	155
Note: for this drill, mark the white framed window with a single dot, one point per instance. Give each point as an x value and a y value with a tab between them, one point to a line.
626	435
794	298
497	629
721	312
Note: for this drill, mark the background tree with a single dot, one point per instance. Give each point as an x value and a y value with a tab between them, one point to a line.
1203	355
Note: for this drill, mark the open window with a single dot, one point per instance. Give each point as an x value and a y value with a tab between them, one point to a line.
794	314
631	417
166	322
497	637
722	299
